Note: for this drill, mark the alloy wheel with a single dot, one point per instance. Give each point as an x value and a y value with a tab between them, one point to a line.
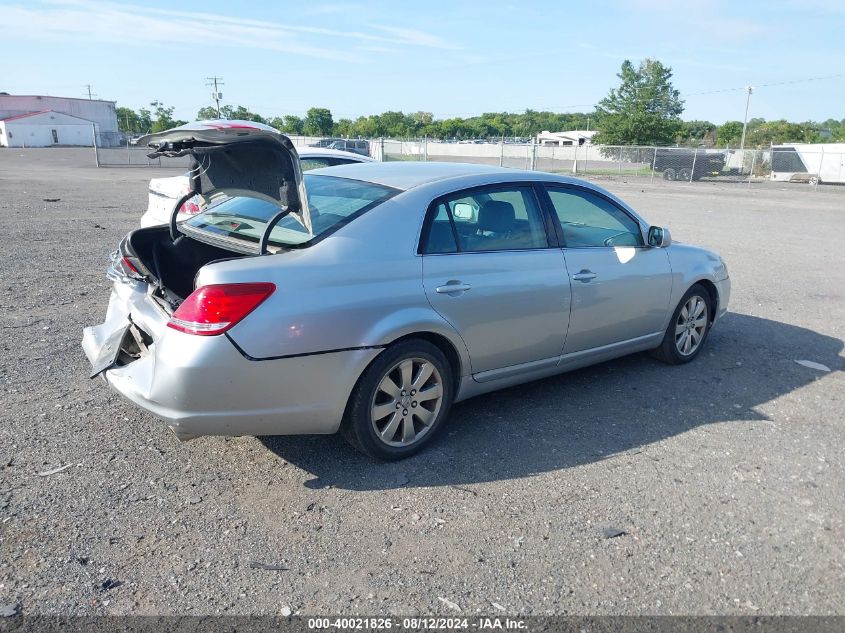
691	325
406	402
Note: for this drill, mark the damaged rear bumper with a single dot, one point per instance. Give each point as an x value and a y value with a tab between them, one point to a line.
202	385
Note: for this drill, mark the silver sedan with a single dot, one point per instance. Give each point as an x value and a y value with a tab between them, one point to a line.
369	298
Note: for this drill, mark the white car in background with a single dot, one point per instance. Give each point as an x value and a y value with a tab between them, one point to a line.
164	193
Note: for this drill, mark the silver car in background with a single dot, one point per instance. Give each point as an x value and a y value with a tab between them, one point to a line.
369	298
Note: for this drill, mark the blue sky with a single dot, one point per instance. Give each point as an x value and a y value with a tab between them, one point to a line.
456	58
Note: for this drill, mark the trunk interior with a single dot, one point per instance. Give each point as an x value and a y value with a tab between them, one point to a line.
174	265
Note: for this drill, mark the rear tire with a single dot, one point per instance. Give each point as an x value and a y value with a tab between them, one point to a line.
685	174
669	174
400	402
688	328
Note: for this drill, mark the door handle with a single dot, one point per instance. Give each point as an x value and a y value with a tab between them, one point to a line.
584	275
452	288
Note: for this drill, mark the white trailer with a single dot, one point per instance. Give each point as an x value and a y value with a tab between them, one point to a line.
809	162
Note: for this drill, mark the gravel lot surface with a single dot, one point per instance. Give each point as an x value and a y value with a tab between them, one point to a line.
725	476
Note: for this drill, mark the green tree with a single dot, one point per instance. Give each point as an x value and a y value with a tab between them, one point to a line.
318	122
206	113
343	127
129	121
697	133
729	133
163	117
766	133
240	113
832	129
644	110
145	119
289	124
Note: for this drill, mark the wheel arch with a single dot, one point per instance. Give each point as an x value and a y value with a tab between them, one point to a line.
425	324
711	289
446	346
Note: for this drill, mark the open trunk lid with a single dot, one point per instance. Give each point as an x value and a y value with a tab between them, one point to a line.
237	158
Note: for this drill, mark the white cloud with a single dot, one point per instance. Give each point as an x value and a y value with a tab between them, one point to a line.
417	37
333	8
74	20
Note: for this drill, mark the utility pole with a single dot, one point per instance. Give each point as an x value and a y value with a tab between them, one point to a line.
748	90
215	82
90	94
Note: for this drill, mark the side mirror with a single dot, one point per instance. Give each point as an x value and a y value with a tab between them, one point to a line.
659	237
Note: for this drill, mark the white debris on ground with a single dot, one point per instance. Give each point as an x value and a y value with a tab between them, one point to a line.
813	365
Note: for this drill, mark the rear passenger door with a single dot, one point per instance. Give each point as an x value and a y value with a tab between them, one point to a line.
491	269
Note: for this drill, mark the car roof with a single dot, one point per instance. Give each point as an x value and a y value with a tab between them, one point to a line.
313	152
406	175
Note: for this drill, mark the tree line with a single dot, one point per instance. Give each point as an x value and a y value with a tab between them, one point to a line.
644	109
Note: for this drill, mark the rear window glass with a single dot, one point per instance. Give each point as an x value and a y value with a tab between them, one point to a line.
333	201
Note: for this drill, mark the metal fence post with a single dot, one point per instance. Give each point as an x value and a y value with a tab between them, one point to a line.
819	175
692	172
653	164
94	142
425	149
533	154
502	153
751	171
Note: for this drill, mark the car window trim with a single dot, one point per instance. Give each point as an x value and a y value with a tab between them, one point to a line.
552	239
546	185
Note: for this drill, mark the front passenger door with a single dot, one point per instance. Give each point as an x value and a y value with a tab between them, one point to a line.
620	287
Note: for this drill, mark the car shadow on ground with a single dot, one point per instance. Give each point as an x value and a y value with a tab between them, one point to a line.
587	415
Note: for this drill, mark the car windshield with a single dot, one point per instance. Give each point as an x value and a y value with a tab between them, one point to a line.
332	201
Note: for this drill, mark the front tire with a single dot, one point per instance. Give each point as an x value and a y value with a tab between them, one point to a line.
669	174
688	328
400	401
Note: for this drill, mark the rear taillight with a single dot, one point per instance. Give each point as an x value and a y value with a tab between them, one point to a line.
127	266
211	310
190	206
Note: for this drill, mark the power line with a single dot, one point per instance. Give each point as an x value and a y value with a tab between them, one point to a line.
684	95
766	85
216	95
565	108
798	81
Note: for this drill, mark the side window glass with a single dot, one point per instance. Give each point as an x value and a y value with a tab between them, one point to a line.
440	238
308	164
590	220
497	220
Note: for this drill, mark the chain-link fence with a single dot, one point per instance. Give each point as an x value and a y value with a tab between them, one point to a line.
814	164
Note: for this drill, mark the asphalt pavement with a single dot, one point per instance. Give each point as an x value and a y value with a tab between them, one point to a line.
631	487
